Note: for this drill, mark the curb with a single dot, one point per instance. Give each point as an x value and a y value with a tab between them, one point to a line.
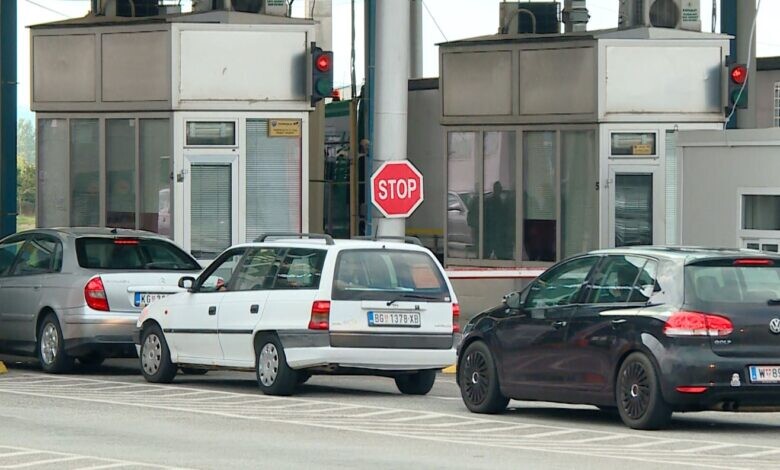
450	370
3	369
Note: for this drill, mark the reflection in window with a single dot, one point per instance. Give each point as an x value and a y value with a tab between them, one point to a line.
539	196
155	152
212	134
220	277
499	196
84	173
462	195
52	165
257	270
120	173
561	285
761	212
579	197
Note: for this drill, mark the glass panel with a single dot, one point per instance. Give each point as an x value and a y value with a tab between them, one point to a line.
84	173
301	269
769	247
156	193
633	143
52	197
8	253
132	253
462	195
539	201
499	196
211	210
761	212
721	288
120	173
672	189
211	134
221	275
752	246
560	285
257	270
777	105
35	258
633	210
273	181
579	196
616	278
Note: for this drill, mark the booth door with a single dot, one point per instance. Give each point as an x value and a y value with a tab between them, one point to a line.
635	205
210	205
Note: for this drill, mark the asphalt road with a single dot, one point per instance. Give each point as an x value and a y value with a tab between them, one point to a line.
109	417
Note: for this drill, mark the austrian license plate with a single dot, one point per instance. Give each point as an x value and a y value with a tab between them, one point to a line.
765	374
142	299
410	319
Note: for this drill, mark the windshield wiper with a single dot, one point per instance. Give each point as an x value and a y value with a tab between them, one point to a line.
773	301
410	296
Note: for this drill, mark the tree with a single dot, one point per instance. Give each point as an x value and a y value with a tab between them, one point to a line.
25	140
25	167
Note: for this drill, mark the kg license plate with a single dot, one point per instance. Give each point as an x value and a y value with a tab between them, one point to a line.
142	299
765	374
403	319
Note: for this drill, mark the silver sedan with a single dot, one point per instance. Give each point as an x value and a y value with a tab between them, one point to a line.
76	293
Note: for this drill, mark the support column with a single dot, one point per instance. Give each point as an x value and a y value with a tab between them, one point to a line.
746	11
8	87
391	98
415	39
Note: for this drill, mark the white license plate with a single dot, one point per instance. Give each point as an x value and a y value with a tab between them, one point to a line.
142	299
765	374
411	320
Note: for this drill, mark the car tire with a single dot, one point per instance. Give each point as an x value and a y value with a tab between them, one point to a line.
193	371
92	360
155	357
303	377
478	380
51	347
638	394
418	383
274	376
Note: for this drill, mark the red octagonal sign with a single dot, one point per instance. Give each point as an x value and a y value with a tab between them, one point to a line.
397	189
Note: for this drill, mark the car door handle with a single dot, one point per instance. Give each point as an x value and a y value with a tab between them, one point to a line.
558	324
254	308
618	321
213	310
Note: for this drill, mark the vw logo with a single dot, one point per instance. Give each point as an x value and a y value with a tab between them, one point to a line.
774	326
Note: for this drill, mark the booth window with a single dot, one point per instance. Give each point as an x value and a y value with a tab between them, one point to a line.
52	138
777	104
155	159
760	224
579	195
120	173
498	200
462	196
211	134
633	144
84	172
539	196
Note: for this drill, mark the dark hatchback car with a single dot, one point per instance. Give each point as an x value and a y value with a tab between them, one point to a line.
645	331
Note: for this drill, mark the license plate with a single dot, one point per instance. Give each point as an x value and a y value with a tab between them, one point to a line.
142	299
403	319
765	374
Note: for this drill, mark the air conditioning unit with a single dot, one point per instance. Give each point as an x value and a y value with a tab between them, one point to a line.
676	14
268	7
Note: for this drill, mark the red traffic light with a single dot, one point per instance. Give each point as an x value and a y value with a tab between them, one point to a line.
323	63
739	74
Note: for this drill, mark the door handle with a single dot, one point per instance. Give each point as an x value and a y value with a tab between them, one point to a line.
254	308
213	310
558	324
618	321
36	287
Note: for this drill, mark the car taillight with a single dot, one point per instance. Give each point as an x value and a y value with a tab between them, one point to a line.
455	318
95	295
320	315
685	323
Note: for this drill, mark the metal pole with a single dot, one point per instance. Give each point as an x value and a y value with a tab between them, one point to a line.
368	102
8	86
746	54
392	83
728	25
415	39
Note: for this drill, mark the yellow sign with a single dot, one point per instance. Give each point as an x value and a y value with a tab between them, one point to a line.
284	128
642	149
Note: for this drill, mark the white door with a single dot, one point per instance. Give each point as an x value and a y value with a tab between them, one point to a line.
210	204
635	206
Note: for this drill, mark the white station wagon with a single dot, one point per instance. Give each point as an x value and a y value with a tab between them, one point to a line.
297	305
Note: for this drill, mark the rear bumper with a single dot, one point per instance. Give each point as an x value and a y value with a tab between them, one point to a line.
370	358
85	330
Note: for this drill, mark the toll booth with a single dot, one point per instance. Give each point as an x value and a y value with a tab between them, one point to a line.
559	144
191	125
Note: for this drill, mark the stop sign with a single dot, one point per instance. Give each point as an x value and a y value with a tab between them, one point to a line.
397	189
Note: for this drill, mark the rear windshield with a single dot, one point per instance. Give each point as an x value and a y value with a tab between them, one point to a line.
709	285
132	253
388	275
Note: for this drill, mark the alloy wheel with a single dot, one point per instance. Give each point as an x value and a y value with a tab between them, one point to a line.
268	364
634	390
475	377
151	354
49	343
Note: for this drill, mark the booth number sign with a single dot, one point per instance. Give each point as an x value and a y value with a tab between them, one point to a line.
284	128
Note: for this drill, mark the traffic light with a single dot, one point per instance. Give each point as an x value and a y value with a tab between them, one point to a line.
737	95
321	74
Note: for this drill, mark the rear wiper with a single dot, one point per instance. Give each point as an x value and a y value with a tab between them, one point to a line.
773	301
410	296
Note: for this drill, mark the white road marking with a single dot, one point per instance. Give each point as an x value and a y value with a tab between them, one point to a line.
52	457
46	462
752	455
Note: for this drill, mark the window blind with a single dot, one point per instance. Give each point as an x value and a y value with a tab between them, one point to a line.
211	210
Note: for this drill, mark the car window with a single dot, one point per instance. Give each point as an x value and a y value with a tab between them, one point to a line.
714	285
300	269
220	273
621	279
8	252
256	270
35	257
561	284
132	253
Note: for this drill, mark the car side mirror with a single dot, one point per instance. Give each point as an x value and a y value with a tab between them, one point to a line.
187	282
454	208
512	300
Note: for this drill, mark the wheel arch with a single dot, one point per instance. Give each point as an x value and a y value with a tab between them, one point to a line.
43	313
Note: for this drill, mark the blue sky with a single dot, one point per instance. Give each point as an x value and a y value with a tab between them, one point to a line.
456	19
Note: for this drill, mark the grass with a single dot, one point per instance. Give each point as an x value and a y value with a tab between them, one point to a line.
25	222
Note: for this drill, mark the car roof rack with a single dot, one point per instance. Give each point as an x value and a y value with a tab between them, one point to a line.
313	236
405	239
